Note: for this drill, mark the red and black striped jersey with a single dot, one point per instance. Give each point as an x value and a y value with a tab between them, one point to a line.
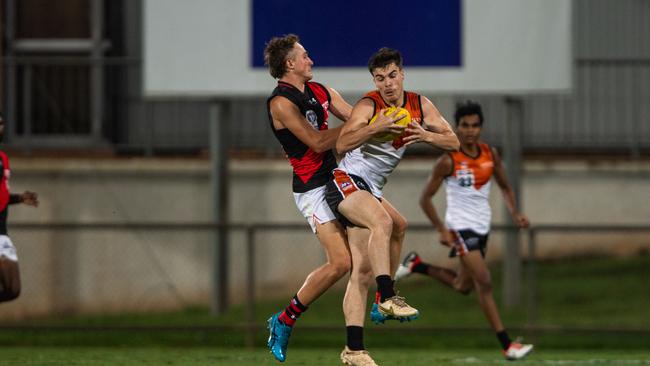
310	169
5	173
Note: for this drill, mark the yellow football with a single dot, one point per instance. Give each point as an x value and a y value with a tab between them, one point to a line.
404	121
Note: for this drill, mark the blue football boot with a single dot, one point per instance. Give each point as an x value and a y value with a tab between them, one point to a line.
278	337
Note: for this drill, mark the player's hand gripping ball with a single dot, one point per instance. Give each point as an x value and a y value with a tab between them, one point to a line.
404	121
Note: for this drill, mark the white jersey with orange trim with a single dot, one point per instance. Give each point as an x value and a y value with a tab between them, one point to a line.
468	191
375	160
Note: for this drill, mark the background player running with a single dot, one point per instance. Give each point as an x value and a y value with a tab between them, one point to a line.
467	176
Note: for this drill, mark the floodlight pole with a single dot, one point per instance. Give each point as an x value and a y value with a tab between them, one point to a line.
219	120
512	151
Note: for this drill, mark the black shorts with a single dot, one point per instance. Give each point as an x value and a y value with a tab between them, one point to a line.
341	186
466	241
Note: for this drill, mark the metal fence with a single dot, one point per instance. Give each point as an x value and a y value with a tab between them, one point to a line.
251	234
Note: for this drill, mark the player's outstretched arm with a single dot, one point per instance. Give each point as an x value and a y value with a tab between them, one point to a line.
356	130
508	194
438	133
441	169
285	114
27	197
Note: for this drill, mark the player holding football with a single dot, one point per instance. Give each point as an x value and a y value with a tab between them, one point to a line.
9	272
355	193
298	111
467	176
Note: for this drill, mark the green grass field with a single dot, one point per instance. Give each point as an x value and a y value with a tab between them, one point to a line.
596	310
305	356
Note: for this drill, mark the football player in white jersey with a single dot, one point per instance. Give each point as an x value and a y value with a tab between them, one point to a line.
371	154
467	175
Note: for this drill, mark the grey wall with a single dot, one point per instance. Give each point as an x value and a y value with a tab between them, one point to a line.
66	271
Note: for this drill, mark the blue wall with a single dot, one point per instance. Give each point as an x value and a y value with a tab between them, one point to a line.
345	33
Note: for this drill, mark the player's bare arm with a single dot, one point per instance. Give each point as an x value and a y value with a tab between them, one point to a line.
508	194
338	106
27	197
441	170
287	115
356	130
436	130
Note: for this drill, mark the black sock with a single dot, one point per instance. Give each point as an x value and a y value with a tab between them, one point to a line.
355	338
421	268
385	287
504	339
292	312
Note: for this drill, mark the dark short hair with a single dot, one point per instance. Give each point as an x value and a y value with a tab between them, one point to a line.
276	53
468	108
384	57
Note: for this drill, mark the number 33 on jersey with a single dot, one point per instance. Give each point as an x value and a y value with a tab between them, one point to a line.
468	190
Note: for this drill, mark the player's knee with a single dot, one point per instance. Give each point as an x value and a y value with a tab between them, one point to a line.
483	283
383	225
366	277
340	268
462	288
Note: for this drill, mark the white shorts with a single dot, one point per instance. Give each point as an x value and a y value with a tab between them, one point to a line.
314	207
7	248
